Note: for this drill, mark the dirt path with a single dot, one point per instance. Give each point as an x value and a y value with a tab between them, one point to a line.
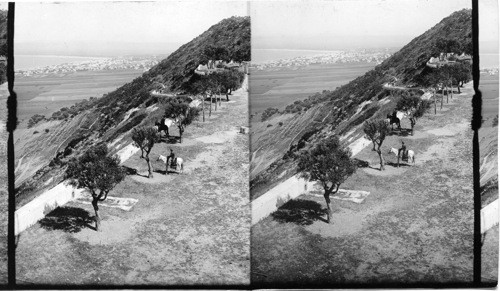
190	228
416	225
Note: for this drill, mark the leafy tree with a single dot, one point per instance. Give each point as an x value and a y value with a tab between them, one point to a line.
216	88
96	171
461	73
179	110
202	86
413	106
447	72
212	52
145	138
231	80
434	80
329	163
376	131
268	113
447	45
35	119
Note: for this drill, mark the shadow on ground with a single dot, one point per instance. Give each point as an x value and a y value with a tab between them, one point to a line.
163	172
400	132
68	219
129	171
361	163
300	211
170	139
401	164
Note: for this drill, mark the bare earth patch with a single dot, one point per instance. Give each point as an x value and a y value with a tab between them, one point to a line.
389	170
185	229
415	226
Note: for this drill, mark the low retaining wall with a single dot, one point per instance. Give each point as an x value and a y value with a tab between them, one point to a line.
61	194
489	216
291	189
36	209
277	196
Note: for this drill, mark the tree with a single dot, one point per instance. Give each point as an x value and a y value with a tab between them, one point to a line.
202	86
178	109
447	74
461	73
447	45
329	163
96	171
145	138
230	80
413	106
216	87
376	131
434	80
212	52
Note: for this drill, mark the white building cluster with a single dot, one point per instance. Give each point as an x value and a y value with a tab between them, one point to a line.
98	64
354	56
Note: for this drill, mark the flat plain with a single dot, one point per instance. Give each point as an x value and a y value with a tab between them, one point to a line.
278	88
46	94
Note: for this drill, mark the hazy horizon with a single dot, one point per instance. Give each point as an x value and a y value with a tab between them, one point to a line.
332	25
115	28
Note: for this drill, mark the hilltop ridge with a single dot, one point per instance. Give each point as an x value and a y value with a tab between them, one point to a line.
43	150
343	110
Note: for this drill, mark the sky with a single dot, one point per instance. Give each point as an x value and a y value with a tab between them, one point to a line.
85	27
345	24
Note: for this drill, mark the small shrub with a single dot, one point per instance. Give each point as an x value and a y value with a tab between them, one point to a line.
47	130
495	121
269	125
268	113
35	132
281	123
35	119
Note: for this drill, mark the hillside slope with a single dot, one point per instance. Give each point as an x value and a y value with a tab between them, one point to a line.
43	151
343	111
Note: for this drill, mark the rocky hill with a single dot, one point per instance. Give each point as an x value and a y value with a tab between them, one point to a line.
344	110
43	150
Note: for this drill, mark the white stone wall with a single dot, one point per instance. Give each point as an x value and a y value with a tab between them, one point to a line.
36	209
489	216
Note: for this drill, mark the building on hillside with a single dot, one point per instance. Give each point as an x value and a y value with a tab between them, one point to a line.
433	62
202	70
464	58
232	64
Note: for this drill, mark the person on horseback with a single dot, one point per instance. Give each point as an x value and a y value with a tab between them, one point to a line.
402	150
172	159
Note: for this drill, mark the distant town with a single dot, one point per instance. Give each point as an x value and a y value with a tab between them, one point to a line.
352	56
99	64
489	71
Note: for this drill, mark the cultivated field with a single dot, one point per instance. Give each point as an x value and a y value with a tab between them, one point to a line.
191	228
415	226
278	88
46	94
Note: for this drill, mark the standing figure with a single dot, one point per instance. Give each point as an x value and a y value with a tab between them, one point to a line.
173	161
402	150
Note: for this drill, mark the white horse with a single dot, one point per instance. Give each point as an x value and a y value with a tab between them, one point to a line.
401	115
179	162
411	154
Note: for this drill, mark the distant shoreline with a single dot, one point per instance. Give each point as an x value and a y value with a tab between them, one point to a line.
29	62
